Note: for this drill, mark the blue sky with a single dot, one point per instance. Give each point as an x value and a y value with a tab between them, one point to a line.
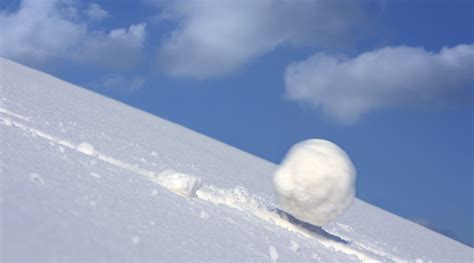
391	82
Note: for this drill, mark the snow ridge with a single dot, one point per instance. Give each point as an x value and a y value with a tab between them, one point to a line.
190	186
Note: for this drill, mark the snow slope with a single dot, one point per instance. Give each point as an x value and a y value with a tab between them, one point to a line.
86	178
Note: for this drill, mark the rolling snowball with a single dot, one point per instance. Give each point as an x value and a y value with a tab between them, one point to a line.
315	182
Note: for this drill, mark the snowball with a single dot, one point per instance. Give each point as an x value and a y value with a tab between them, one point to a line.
179	182
86	148
316	181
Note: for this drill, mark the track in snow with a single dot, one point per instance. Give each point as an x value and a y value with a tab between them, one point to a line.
237	198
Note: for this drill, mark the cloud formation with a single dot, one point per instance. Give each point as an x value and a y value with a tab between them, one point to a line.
216	37
95	13
37	31
41	31
120	48
347	88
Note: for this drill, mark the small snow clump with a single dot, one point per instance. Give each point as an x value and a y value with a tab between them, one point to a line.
180	183
37	178
204	215
273	253
316	181
8	122
86	148
295	247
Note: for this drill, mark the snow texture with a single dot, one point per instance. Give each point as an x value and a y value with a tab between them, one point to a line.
316	181
76	166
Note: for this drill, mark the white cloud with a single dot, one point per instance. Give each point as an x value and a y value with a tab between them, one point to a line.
42	31
95	12
119	48
347	88
37	32
216	37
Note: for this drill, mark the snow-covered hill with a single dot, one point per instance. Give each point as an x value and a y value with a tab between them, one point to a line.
86	178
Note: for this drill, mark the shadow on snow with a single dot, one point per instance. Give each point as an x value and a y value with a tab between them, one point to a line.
312	228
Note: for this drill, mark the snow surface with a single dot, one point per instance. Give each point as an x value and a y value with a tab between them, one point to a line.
316	181
82	180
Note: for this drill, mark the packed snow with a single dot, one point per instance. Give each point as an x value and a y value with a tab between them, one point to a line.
81	167
316	181
273	253
294	246
86	148
177	182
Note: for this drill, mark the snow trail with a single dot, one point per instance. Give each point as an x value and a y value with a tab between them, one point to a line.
239	198
12	114
191	186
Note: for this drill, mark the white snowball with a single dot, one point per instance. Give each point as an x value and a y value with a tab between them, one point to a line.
316	181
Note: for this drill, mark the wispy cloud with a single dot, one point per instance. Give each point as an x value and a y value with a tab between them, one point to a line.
120	48
42	31
95	12
347	88
216	37
38	31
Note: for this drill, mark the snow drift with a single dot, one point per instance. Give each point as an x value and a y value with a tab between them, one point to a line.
316	181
